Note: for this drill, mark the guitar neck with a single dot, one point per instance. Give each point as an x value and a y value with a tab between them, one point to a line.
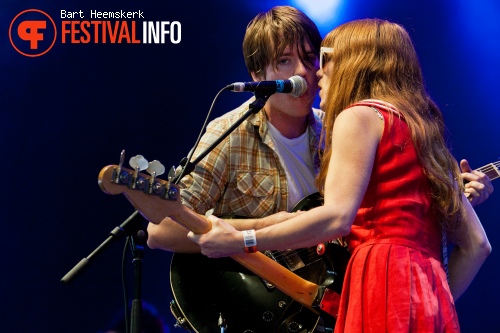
491	170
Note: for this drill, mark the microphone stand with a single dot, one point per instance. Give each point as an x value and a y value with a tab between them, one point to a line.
138	241
134	225
131	225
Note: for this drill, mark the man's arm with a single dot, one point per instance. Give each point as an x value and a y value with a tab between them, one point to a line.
171	236
200	190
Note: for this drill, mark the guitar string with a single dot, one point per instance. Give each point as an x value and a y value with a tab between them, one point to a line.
490	166
493	168
492	173
304	254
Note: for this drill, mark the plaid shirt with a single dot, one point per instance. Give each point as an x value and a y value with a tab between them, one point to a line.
242	176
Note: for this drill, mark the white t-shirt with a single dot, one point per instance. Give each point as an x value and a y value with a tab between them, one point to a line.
296	157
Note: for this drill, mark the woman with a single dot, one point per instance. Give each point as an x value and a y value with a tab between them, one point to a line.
390	186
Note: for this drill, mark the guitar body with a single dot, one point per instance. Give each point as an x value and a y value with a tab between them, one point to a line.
205	288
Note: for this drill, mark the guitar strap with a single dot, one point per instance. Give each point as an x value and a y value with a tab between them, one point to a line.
444	246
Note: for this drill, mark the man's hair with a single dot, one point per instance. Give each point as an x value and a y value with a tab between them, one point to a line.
269	33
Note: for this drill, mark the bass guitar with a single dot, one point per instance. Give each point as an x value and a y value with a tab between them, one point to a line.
291	303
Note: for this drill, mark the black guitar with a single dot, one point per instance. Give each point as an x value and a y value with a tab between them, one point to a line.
276	299
209	293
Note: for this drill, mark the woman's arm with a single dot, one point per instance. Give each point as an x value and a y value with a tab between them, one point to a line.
171	236
467	257
355	137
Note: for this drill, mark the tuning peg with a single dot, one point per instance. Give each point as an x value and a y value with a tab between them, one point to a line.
171	190
122	158
155	168
118	171
138	162
171	174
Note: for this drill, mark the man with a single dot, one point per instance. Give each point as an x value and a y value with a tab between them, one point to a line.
245	174
263	167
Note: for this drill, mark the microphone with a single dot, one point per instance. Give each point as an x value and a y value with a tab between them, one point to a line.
296	86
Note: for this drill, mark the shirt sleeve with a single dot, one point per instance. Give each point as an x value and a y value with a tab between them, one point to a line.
203	187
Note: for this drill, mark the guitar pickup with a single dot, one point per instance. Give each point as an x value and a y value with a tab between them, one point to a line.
293	260
287	258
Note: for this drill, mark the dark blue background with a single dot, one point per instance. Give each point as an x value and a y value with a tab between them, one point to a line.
68	113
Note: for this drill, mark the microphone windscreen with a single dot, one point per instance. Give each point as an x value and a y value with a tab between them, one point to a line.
299	85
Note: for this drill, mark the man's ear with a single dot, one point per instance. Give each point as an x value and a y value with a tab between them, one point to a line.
256	77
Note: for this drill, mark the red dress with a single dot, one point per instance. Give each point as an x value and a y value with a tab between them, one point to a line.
395	280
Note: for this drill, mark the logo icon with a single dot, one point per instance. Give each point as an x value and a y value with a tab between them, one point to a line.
32	33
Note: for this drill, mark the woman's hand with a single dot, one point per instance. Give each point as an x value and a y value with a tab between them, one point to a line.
478	187
223	240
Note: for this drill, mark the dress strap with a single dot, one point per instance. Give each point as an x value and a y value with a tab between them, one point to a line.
379	105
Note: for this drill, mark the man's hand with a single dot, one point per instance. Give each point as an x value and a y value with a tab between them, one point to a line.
478	186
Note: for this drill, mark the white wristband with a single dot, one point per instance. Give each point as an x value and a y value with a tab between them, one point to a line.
250	241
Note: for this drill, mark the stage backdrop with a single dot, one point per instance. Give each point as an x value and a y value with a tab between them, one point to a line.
71	104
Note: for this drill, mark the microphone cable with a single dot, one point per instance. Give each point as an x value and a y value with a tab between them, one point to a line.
185	161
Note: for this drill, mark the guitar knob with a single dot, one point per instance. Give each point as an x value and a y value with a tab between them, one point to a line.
268	316
294	327
320	249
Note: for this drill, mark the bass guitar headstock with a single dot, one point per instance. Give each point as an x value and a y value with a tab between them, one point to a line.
153	197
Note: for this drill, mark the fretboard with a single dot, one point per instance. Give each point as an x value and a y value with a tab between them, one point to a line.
491	170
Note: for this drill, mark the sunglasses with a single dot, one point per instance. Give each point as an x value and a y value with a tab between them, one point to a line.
323	55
